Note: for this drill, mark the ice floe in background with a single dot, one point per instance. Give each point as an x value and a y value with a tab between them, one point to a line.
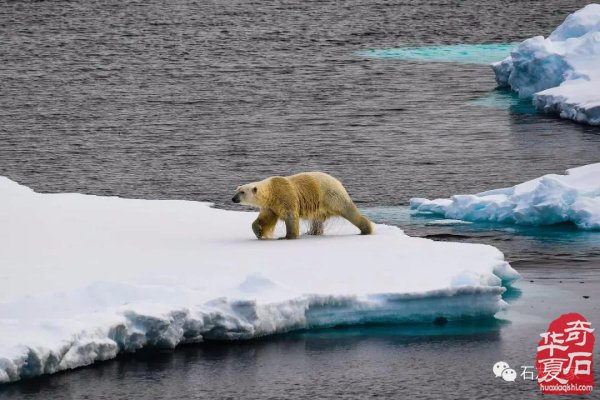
85	278
550	199
459	53
561	72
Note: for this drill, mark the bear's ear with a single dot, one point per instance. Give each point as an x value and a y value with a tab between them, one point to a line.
254	189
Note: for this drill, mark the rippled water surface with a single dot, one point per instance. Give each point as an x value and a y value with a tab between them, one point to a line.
187	99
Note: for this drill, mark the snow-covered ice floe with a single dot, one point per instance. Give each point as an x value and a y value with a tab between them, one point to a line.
550	199
561	72
86	277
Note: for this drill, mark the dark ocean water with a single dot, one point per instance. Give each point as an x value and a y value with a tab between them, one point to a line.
188	99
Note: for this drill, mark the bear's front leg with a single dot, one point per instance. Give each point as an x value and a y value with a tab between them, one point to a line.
292	226
257	228
264	225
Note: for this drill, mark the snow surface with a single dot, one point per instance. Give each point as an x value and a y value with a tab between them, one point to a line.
86	277
561	72
550	199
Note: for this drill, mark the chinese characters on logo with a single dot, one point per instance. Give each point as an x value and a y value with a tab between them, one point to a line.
564	356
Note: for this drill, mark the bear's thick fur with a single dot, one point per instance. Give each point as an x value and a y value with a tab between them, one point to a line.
314	196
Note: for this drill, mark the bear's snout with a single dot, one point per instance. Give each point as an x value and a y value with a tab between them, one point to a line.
236	198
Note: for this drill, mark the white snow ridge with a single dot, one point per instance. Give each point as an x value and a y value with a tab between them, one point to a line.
550	199
561	72
85	278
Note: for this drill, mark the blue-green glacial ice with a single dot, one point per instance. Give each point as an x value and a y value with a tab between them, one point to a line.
505	100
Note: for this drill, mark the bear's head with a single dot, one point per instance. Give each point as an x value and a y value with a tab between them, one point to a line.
247	195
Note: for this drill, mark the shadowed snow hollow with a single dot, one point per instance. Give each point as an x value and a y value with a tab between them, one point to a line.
550	199
87	277
561	72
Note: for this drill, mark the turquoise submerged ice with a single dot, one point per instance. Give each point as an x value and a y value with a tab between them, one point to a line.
460	53
505	100
550	199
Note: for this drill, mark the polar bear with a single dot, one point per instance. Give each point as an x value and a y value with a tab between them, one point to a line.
314	196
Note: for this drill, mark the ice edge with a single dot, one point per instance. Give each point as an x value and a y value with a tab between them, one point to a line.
224	319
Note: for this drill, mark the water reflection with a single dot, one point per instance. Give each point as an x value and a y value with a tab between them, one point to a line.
225	366
504	99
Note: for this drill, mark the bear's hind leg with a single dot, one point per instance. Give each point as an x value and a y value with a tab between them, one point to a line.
292	226
352	214
316	227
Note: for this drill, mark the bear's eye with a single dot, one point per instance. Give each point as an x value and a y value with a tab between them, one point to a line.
254	189
242	192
